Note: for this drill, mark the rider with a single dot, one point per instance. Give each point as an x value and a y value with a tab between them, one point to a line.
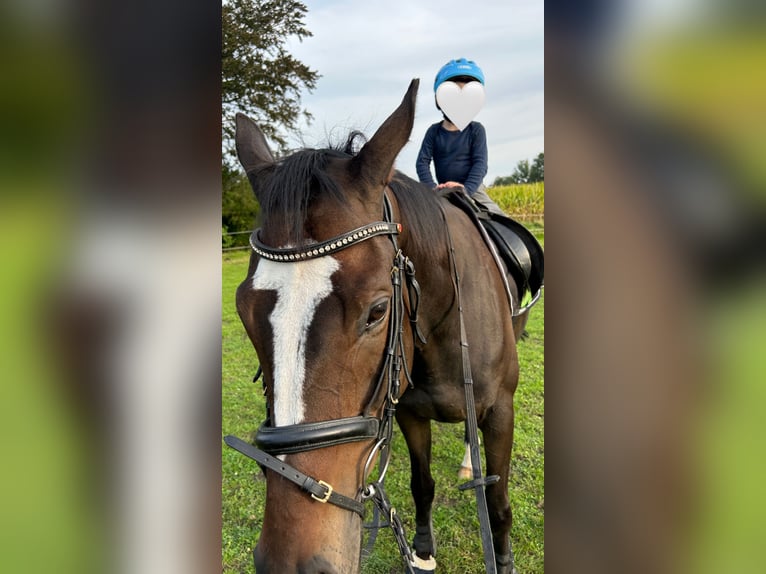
459	155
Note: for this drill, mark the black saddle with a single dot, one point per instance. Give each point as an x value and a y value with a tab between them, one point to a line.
519	251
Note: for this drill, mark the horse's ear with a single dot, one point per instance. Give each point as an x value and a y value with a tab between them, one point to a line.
376	159
252	150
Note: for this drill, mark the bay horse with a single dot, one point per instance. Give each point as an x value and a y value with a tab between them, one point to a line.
323	306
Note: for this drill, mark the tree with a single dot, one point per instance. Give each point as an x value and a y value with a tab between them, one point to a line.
521	173
537	171
524	173
239	207
259	77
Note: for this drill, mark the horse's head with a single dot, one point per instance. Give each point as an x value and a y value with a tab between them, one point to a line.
317	304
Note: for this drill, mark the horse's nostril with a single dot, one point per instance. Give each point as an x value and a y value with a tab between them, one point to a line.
317	565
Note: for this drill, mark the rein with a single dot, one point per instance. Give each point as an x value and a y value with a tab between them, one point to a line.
479	481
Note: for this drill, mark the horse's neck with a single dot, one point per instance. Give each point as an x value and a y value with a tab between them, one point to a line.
420	247
429	255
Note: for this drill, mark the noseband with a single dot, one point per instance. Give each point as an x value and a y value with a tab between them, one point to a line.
290	439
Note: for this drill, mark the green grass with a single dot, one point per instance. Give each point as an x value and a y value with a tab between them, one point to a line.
455	522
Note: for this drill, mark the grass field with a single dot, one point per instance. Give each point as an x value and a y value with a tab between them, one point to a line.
455	521
524	200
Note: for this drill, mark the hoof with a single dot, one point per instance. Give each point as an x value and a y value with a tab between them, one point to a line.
465	473
420	566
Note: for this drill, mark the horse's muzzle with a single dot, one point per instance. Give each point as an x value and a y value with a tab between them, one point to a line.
314	565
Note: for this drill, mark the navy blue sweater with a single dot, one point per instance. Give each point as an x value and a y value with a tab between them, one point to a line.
459	156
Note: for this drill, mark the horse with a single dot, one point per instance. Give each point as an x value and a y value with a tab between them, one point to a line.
346	338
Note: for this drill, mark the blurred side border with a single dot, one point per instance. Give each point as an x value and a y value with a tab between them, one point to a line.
110	200
655	286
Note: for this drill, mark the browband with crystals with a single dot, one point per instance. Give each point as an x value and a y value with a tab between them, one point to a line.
325	247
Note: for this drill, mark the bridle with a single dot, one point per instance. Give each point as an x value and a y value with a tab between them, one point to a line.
273	441
303	437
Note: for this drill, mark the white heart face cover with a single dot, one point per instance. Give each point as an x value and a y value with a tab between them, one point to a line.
460	104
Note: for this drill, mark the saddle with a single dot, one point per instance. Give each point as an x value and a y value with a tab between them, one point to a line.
516	251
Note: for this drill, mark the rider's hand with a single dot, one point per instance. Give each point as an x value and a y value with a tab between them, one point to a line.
449	184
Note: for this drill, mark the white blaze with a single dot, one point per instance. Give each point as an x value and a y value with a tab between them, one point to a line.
300	288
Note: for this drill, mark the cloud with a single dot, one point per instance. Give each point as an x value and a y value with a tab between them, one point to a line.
367	52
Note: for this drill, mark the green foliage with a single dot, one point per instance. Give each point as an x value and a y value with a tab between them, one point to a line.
226	240
259	77
537	171
239	208
524	172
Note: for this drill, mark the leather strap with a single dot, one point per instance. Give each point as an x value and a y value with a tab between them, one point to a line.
327	247
309	436
479	481
413	288
383	504
318	489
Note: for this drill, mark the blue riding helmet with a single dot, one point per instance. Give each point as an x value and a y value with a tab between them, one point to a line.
459	67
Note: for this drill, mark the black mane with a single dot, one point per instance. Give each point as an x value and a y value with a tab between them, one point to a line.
421	217
286	189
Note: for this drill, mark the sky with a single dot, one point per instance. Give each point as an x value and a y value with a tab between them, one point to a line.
368	51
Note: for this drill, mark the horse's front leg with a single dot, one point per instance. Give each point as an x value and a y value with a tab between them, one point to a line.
417	433
497	428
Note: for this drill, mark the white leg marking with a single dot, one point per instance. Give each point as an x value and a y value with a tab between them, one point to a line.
427	565
300	288
466	469
467	457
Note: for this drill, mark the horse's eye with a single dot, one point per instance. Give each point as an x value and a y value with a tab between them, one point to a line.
377	313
